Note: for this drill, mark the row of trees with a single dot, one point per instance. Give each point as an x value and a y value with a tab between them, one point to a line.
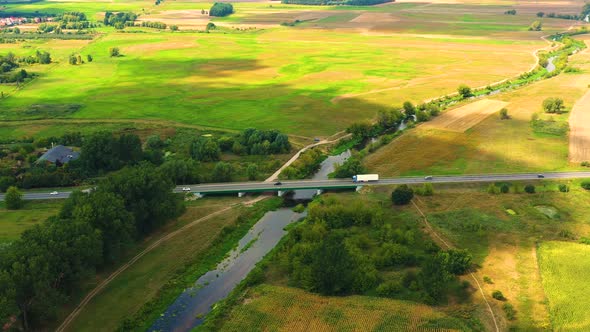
47	265
155	25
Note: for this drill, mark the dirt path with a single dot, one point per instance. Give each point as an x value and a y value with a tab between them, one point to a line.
439	240
124	267
275	175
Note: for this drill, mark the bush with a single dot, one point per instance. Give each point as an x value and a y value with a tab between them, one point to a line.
553	105
536	26
492	189
464	91
509	311
13	199
426	190
529	189
585	185
114	52
505	188
390	288
564	188
487	280
585	164
498	295
221	9
299	208
504	114
402	195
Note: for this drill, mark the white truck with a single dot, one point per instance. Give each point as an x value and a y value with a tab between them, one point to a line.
365	177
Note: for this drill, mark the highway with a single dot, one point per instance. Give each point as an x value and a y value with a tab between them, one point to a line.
245	187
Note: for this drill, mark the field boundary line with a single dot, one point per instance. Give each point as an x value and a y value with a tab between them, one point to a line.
472	274
124	267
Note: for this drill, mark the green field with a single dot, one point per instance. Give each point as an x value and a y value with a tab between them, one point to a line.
14	222
563	267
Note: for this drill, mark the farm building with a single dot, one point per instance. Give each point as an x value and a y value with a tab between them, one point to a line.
59	155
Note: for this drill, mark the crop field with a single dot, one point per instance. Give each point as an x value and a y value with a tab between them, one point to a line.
277	308
563	266
580	130
465	117
493	145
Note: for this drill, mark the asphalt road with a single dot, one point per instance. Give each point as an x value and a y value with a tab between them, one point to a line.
234	187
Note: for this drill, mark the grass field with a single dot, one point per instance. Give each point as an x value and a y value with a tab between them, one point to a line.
341	64
14	222
141	282
563	266
277	308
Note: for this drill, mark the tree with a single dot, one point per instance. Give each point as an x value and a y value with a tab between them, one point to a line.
89	58
458	261
220	9
174	28
498	295
504	188
13	198
210	26
464	91
100	153
536	26
564	188
402	195
585	185
360	130
350	167
332	266
129	146
409	109
252	171
529	189
553	105
114	52
205	149
540	14
504	114
222	172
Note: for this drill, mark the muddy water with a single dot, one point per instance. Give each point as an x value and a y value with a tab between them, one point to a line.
190	308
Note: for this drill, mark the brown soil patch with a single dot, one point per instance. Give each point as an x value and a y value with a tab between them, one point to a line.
579	147
465	117
374	18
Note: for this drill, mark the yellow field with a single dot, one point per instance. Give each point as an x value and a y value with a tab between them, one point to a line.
465	117
580	130
276	308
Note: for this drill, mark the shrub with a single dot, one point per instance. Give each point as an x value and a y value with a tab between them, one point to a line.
510	12
553	105
498	295
299	208
389	288
13	199
504	114
564	188
487	280
426	190
114	52
536	26
540	14
505	188
529	189
585	164
585	184
492	189
509	311
402	195
464	91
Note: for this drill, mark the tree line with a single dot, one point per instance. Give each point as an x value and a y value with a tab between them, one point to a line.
10	63
119	20
48	264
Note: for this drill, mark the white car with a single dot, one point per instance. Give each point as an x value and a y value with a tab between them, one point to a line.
53	193
186	189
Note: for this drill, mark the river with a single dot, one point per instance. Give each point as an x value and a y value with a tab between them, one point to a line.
190	308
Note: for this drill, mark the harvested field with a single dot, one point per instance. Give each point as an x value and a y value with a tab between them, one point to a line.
465	117
580	130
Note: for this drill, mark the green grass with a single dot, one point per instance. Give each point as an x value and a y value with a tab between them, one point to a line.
564	267
14	222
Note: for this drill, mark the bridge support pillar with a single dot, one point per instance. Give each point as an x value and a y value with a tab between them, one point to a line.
358	188
280	193
241	194
319	192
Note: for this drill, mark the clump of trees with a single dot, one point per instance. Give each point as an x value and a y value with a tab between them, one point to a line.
50	261
536	26
13	198
464	91
114	52
155	25
307	164
553	105
10	63
510	12
119	20
343	247
350	167
221	9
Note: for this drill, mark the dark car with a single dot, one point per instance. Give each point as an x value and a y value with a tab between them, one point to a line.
540	176
278	183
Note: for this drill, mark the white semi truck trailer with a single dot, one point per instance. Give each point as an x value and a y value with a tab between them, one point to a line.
365	177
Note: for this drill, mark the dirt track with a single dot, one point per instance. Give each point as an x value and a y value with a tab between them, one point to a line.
465	117
579	146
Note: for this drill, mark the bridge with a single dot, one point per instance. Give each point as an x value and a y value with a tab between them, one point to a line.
242	188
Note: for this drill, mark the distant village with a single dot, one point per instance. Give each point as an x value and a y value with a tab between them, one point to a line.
13	21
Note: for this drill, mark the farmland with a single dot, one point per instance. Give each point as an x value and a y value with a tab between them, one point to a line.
562	264
214	79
